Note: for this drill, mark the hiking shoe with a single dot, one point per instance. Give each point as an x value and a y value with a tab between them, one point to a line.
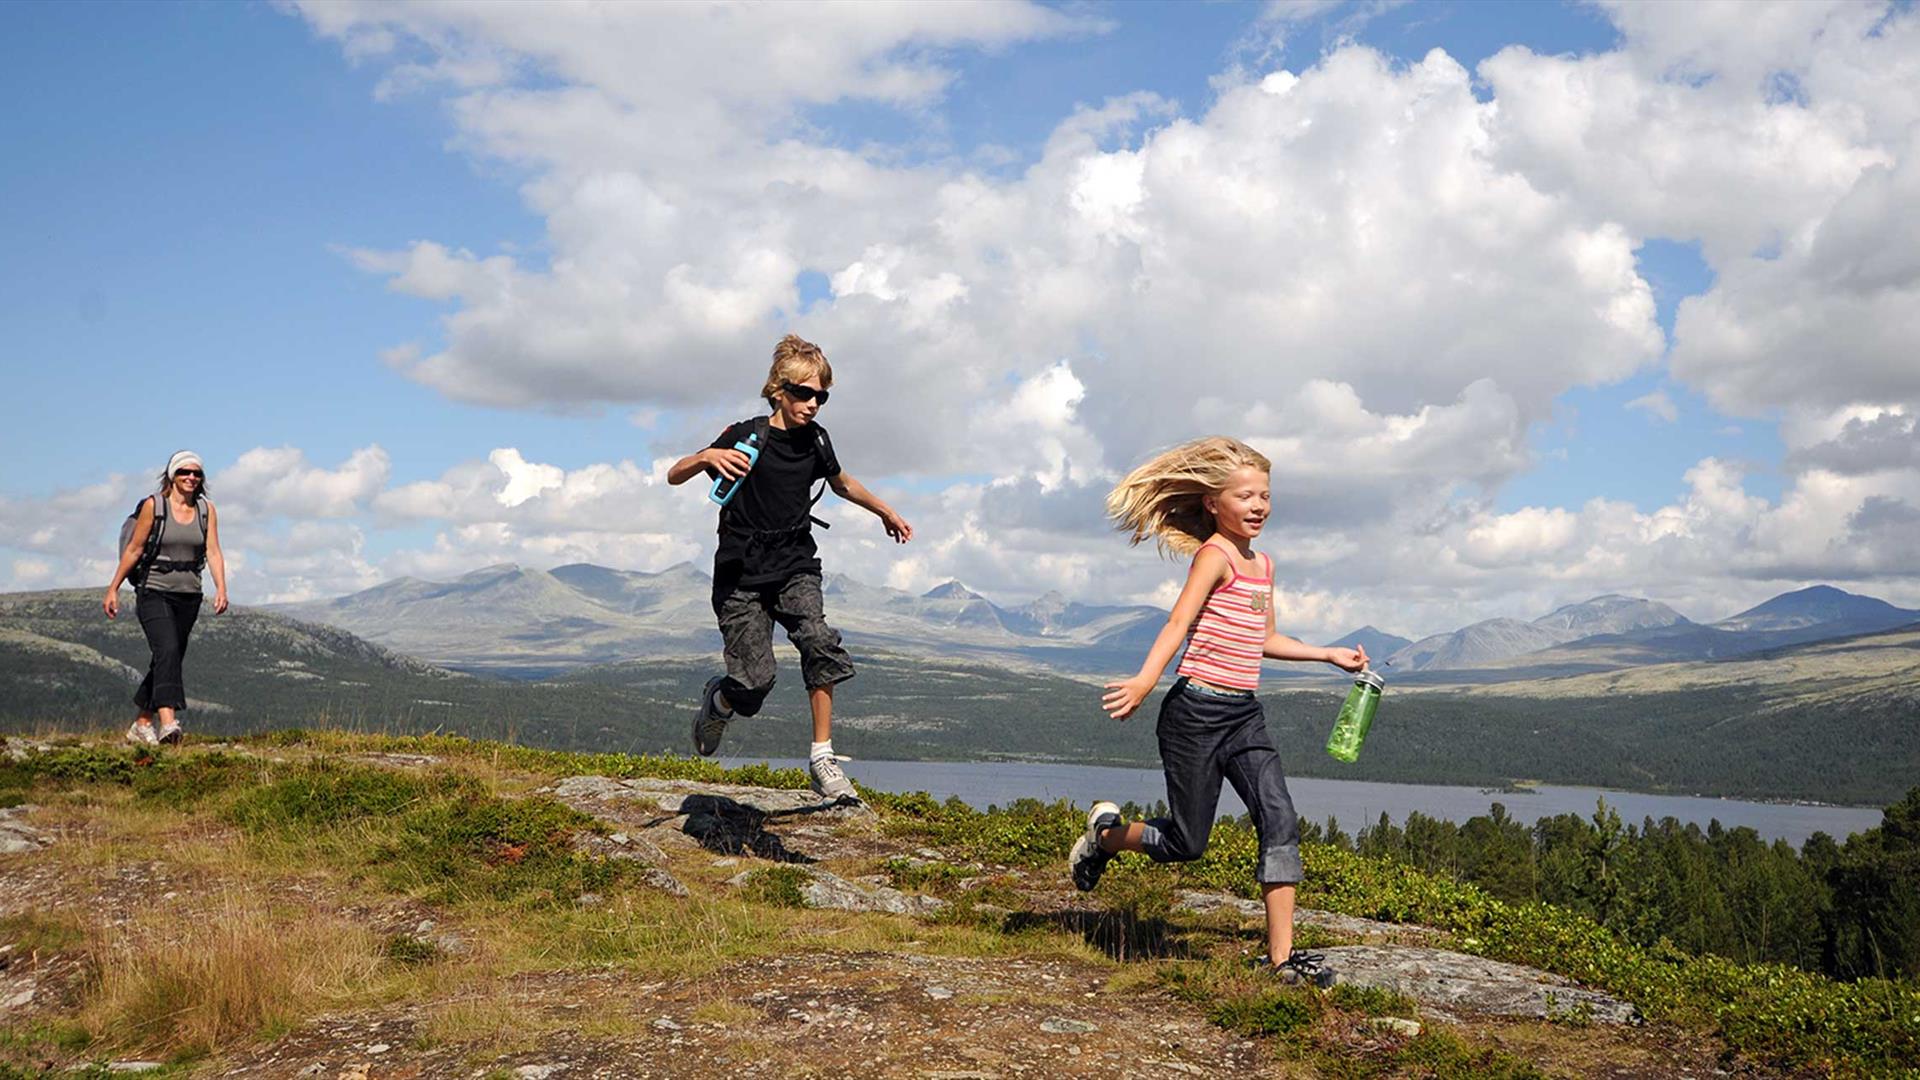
710	724
1299	969
1088	860
170	732
140	734
829	781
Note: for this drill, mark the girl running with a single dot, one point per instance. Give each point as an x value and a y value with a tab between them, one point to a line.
1209	499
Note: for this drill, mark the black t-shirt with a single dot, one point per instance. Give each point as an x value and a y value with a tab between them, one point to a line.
765	536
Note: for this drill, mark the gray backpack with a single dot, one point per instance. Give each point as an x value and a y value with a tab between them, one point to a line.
150	559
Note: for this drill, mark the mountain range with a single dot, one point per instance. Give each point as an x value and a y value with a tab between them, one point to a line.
1613	632
1832	720
519	622
516	621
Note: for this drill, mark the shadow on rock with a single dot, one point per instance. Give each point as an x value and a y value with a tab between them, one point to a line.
729	827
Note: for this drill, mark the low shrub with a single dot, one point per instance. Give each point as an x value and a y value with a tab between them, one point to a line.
320	794
1373	1001
777	885
493	848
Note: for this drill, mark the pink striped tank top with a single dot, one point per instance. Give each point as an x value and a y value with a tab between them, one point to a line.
1223	648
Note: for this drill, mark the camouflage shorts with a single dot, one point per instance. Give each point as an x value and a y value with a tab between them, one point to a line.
747	616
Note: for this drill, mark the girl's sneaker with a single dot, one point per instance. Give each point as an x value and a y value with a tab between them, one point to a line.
1088	860
1299	969
170	732
140	733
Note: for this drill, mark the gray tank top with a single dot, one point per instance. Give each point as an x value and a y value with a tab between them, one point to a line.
181	544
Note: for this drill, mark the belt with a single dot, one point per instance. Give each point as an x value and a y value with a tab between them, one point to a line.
1192	687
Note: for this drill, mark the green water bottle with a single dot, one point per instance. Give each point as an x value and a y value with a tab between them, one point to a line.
1356	716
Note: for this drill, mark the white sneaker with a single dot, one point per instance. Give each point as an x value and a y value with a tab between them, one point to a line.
170	732
1088	860
140	733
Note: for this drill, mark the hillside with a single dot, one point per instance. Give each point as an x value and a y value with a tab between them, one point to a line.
338	905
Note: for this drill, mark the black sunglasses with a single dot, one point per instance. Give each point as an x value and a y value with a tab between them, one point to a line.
195	473
804	393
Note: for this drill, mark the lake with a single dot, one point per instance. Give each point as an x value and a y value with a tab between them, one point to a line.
1353	802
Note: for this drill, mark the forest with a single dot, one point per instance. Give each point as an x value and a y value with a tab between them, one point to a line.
1849	910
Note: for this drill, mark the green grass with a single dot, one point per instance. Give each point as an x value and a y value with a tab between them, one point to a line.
37	931
1446	1056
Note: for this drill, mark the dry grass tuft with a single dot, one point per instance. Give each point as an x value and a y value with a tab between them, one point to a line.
493	1025
195	982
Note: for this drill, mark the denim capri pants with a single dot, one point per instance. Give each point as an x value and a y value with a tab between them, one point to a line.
1207	735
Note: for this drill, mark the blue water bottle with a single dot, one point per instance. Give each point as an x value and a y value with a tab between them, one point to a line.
723	487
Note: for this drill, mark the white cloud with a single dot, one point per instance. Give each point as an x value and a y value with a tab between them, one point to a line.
1657	405
1377	275
1235	256
269	481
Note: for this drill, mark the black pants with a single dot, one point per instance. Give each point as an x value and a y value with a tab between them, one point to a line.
747	616
1205	738
168	619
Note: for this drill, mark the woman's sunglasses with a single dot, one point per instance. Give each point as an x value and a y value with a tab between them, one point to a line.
195	473
804	393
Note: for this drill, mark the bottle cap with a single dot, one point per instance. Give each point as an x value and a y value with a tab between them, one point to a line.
1367	677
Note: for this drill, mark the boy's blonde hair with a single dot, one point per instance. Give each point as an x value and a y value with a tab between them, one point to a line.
1163	499
796	359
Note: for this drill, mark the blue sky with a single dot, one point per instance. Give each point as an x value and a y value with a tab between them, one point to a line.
183	207
186	183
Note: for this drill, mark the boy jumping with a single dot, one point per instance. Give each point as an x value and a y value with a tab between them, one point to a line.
767	568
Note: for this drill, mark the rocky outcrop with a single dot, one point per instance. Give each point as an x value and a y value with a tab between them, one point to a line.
1401	958
727	819
692	797
1446	982
824	890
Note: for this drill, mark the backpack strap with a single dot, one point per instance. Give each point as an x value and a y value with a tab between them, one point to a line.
818	493
200	514
821	491
150	550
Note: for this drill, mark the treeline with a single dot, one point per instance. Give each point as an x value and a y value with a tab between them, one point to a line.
1848	910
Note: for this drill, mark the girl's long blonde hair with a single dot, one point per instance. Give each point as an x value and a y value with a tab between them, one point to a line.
1163	499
